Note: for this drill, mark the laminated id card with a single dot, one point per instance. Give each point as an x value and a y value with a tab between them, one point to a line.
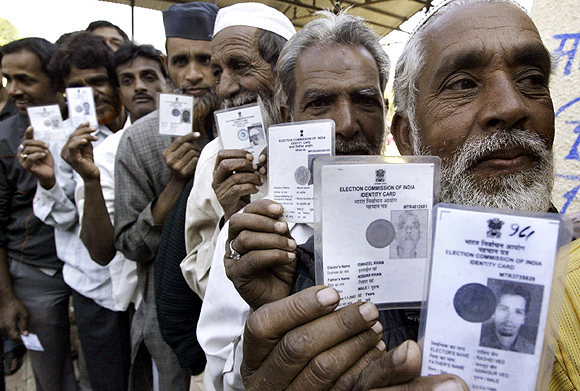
47	123
373	226
81	106
242	128
490	285
175	114
291	153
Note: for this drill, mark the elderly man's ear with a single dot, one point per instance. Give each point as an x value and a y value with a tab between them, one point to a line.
401	130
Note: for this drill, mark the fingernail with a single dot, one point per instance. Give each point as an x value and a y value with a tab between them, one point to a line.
400	354
291	256
262	158
255	167
369	312
381	346
377	328
25	332
280	227
449	385
196	134
327	296
261	180
249	156
292	243
275	208
263	170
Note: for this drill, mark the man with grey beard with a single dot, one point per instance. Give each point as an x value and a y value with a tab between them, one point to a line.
151	171
247	40
470	87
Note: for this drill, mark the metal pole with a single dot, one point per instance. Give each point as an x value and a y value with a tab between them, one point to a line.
133	20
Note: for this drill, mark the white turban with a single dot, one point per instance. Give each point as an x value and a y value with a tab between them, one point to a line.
254	15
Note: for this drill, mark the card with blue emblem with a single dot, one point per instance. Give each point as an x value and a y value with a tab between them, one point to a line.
486	314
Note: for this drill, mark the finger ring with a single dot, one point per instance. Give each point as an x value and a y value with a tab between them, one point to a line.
233	253
23	156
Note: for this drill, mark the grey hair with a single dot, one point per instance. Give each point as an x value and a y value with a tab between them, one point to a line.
324	32
412	61
270	45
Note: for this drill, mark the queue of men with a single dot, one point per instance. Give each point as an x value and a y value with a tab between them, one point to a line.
168	245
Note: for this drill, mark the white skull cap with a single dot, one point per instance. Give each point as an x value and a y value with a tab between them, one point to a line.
254	15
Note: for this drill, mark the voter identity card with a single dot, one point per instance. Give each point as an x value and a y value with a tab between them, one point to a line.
175	114
242	128
291	153
81	106
373	226
32	342
47	123
490	282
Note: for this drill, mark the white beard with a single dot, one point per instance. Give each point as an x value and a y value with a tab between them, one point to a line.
528	190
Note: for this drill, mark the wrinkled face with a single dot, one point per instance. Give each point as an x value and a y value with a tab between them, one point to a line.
408	230
510	315
26	82
240	71
107	101
341	83
484	107
139	82
111	36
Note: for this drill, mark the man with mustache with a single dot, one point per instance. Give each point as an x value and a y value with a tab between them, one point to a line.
247	40
141	76
471	87
83	60
33	295
151	171
343	80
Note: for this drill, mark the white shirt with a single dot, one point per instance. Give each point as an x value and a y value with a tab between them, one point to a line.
221	337
56	207
202	220
122	271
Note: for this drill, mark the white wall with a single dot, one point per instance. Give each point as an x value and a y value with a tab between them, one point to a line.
559	25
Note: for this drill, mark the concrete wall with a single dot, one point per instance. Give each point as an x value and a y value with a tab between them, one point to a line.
559	25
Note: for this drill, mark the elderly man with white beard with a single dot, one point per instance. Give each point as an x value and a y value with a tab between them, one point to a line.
470	87
247	40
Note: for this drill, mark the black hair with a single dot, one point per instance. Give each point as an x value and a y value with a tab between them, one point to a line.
42	48
129	51
103	23
82	50
516	290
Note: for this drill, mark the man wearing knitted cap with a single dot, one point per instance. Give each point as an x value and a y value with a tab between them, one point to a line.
151	171
247	41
